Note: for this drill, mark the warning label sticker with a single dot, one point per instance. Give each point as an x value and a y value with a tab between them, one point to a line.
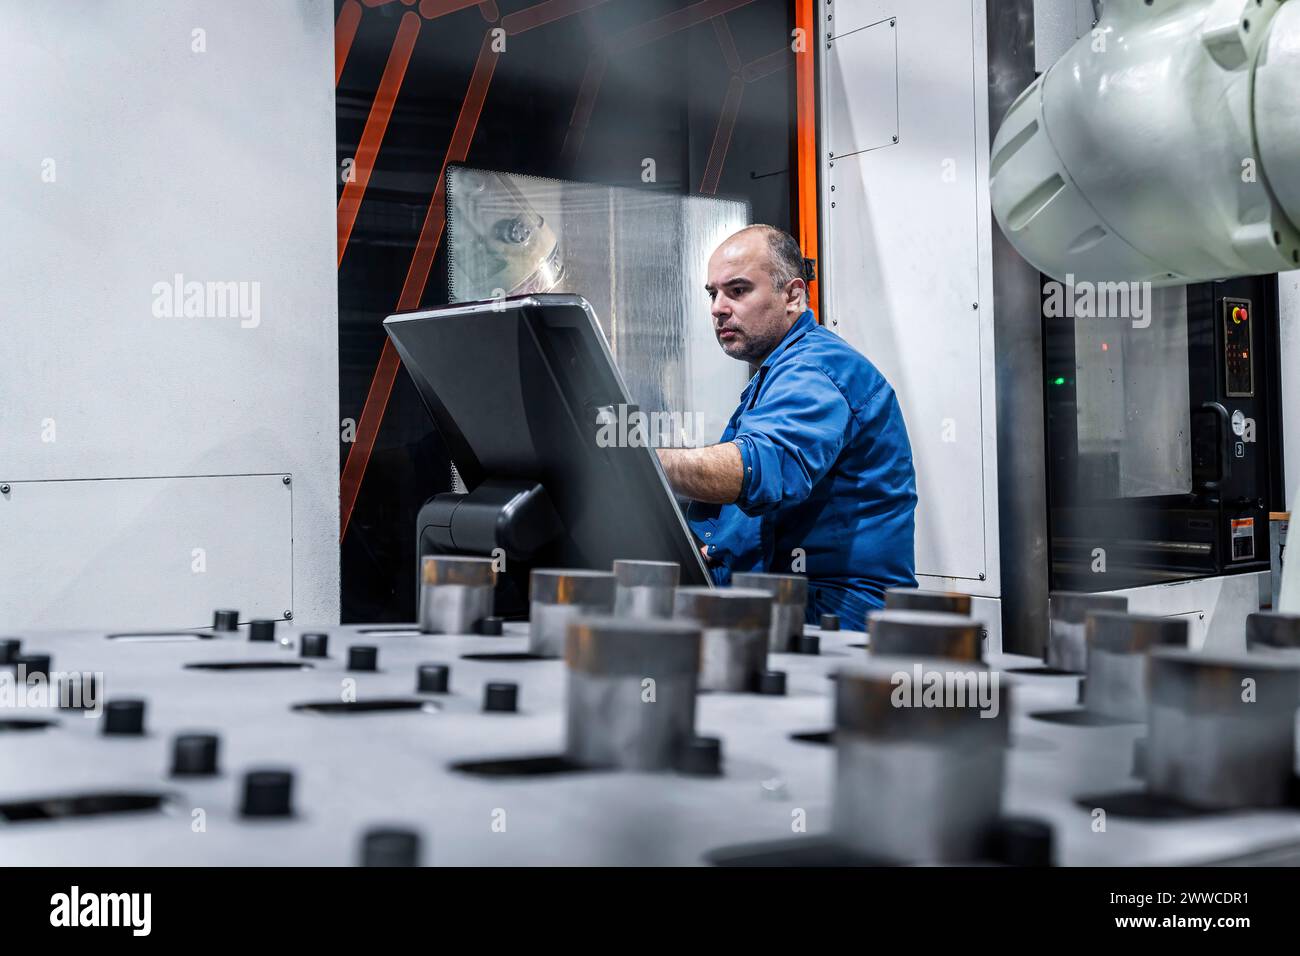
1243	538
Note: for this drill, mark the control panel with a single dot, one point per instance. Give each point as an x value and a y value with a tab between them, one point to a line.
1238	355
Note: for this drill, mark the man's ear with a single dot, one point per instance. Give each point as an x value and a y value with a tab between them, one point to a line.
796	293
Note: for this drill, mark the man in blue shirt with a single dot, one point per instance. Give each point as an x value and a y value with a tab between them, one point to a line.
813	474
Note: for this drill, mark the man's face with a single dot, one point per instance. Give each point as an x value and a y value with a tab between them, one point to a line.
749	315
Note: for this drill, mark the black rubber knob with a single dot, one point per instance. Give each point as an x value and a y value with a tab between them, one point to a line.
390	847
829	622
808	644
772	683
124	717
701	757
1024	841
9	648
432	678
363	657
261	630
501	697
79	692
268	793
314	645
491	626
32	664
194	755
225	620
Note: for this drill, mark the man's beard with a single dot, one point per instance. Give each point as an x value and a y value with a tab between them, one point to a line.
749	349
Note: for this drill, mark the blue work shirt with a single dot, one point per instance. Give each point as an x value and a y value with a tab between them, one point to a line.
828	488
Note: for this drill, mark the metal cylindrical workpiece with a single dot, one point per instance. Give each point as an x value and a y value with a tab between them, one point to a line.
920	756
631	694
789	605
915	599
1267	630
556	597
1067	642
1118	648
455	593
1222	728
925	634
734	625
645	588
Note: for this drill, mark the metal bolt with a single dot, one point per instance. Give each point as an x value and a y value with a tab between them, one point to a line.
974	305
4	489
832	189
981	575
288	615
832	205
891	23
286	479
895	139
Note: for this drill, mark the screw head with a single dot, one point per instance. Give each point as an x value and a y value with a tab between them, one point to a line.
895	139
286	479
4	489
981	575
288	615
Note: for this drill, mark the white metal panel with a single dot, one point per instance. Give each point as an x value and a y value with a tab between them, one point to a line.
146	141
842	17
1216	608
145	552
907	262
862	89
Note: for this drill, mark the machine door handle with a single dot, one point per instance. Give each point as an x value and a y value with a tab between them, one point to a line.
1224	469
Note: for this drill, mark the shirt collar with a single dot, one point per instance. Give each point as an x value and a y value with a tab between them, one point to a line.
801	325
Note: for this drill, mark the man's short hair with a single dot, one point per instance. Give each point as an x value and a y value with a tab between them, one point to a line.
785	258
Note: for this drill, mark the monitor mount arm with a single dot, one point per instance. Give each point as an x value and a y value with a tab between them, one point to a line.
505	519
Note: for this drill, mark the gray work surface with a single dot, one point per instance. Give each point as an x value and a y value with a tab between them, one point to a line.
358	770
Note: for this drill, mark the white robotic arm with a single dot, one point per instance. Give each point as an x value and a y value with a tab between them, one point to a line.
1163	147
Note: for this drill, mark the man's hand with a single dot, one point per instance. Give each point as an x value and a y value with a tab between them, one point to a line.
712	474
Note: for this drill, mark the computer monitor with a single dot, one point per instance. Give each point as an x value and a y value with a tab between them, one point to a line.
522	389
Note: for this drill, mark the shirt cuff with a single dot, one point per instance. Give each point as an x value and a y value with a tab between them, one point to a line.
748	465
